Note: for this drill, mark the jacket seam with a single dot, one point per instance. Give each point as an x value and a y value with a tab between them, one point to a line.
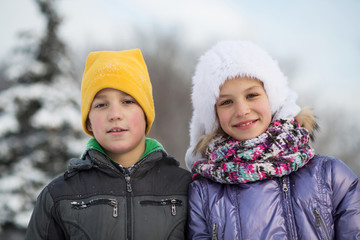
238	215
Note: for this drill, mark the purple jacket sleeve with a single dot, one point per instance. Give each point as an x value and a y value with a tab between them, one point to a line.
346	200
197	226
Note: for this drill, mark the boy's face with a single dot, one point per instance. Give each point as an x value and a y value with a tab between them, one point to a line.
118	123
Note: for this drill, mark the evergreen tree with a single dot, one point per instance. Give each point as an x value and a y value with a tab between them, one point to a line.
40	126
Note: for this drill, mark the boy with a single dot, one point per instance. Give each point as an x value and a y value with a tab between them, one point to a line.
125	186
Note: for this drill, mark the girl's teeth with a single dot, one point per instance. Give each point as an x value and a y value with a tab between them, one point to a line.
245	124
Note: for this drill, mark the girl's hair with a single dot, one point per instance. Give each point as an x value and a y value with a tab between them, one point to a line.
305	118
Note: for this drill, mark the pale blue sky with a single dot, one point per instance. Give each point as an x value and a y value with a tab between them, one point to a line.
321	37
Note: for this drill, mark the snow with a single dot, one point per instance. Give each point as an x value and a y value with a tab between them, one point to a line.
76	146
22	218
8	123
17	191
22	181
55	117
10	182
56	111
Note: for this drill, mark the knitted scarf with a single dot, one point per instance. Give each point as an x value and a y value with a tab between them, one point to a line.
281	149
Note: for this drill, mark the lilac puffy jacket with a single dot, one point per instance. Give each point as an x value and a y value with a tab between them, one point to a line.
319	201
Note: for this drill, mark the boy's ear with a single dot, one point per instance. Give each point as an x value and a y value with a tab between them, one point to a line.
88	125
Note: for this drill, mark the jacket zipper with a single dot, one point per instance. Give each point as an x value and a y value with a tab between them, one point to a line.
129	190
214	231
285	191
128	184
174	202
82	205
320	222
128	204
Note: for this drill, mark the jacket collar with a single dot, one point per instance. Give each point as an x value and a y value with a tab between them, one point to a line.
151	145
95	156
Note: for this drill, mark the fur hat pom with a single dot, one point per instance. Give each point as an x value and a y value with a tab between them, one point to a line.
227	60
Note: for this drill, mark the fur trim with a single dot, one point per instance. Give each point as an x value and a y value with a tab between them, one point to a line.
224	61
306	120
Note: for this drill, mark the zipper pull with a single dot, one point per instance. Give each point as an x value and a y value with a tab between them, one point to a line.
317	216
320	222
285	188
128	185
173	207
214	237
115	210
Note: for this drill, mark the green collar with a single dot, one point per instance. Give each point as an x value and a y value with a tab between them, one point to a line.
151	145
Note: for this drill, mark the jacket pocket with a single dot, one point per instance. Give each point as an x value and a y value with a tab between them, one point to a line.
163	202
79	205
320	223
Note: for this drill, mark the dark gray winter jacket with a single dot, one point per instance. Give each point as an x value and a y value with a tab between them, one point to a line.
97	199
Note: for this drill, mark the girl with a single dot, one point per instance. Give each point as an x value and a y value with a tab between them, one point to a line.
256	175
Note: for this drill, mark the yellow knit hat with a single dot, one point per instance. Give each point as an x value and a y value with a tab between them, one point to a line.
125	71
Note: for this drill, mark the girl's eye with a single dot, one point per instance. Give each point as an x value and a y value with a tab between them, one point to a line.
252	95
226	102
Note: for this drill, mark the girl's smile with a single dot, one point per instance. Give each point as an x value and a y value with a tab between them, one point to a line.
243	108
245	125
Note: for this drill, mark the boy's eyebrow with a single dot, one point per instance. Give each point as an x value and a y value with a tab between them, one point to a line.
101	95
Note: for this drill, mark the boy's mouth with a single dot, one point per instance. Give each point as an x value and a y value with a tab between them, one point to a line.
116	130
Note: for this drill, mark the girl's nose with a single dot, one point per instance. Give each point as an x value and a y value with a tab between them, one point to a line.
242	108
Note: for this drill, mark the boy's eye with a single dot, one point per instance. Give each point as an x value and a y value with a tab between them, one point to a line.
99	105
129	101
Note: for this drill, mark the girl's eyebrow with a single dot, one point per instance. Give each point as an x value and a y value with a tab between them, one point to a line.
224	95
245	90
254	87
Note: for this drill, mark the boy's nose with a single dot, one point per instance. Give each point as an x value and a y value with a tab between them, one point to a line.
115	114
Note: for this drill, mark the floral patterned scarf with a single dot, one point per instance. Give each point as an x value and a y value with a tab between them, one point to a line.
281	149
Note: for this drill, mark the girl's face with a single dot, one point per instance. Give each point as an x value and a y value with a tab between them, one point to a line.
243	108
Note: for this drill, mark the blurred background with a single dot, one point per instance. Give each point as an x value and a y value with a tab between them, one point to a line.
44	44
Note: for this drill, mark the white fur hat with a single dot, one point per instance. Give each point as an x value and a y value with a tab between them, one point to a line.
226	60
